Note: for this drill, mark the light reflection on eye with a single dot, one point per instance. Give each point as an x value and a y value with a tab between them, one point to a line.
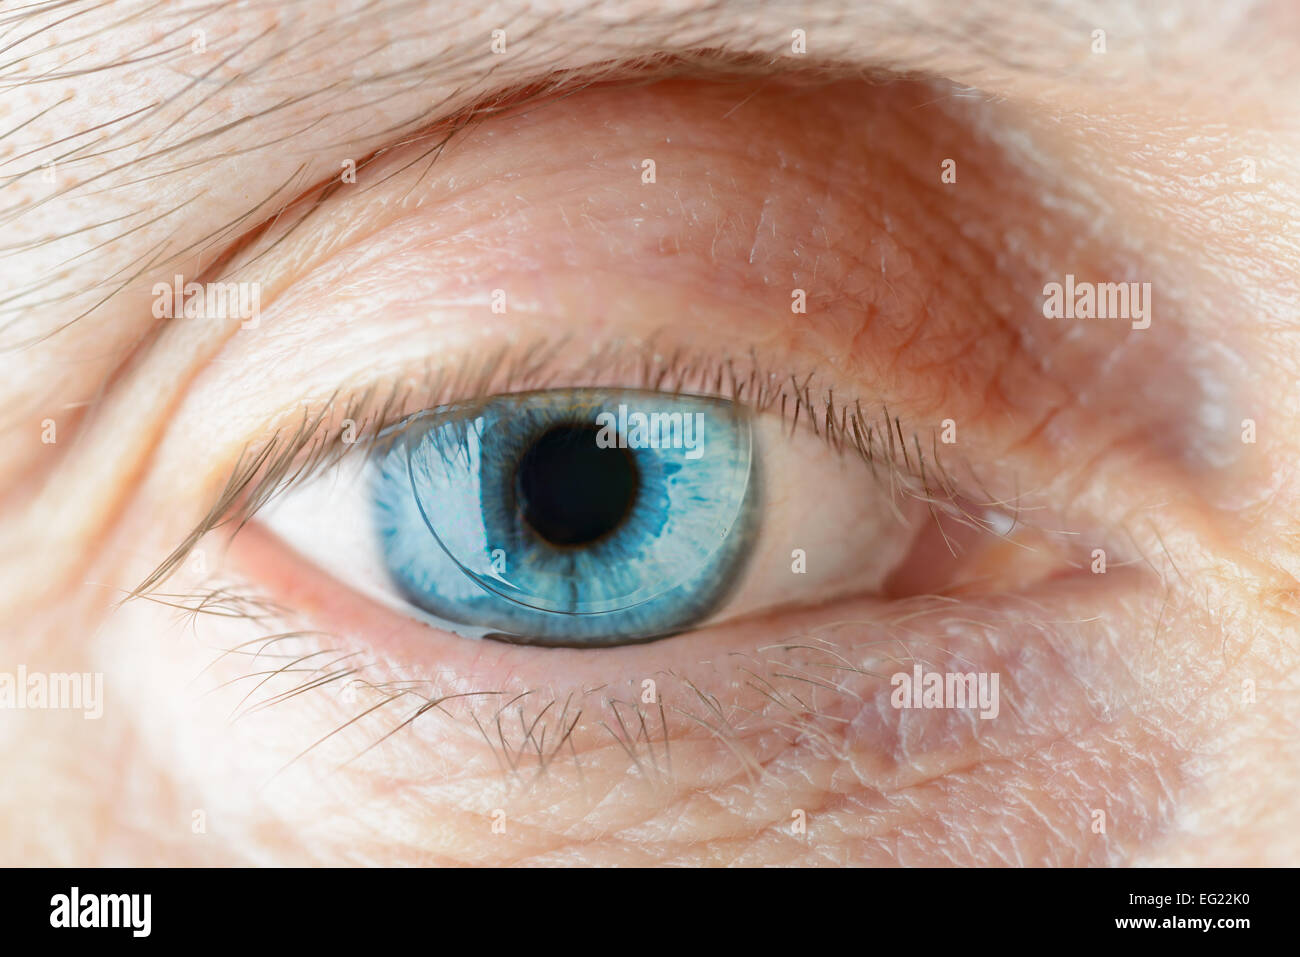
577	516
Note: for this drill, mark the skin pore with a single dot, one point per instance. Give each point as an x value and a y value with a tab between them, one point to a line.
257	709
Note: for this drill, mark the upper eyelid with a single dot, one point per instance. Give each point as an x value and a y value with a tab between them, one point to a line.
342	424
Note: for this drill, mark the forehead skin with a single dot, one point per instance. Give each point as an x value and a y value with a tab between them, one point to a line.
132	148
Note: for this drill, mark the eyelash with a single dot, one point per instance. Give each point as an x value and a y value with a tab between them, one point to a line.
364	423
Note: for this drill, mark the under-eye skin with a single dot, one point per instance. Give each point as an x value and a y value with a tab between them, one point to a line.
568	517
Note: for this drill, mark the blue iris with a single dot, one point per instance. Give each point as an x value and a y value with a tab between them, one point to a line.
569	517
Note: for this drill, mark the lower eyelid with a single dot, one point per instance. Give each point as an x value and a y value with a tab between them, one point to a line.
848	649
749	711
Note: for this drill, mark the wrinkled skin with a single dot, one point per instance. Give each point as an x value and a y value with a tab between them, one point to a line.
1160	694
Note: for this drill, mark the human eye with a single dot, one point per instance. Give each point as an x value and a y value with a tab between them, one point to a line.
591	517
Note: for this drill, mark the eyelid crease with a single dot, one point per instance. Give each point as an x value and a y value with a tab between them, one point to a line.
369	419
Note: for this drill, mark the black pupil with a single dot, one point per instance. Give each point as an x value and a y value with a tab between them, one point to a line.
571	490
